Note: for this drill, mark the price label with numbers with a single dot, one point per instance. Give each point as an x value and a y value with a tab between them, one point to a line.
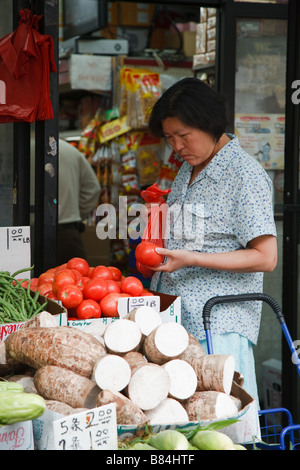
127	304
95	429
15	249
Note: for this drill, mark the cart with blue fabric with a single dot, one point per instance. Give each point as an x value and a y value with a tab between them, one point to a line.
278	430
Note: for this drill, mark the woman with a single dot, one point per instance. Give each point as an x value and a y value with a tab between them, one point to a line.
227	196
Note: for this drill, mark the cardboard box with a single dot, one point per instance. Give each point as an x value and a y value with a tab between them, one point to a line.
135	13
272	383
18	436
58	311
243	431
169	307
188	39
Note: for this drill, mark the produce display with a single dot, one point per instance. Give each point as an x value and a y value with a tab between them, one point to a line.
154	371
86	292
16	300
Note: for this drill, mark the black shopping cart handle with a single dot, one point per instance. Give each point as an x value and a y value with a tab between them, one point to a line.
239	298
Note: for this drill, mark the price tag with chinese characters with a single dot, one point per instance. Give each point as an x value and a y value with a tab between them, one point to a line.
15	249
94	429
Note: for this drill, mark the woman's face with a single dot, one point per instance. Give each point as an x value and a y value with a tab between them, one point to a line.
191	144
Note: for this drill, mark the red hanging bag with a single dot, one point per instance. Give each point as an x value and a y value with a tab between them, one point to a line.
26	60
155	228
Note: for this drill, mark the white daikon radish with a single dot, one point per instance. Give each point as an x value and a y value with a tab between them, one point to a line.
183	379
122	336
111	372
169	411
167	341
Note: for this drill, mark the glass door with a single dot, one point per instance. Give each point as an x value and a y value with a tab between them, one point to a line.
259	123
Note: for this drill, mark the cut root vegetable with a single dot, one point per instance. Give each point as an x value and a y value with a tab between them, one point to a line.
60	346
193	350
135	360
56	383
214	372
43	319
146	317
167	341
122	336
148	386
112	372
127	412
183	379
169	411
210	405
96	329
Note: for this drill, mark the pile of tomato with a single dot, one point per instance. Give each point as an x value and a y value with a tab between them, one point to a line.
87	292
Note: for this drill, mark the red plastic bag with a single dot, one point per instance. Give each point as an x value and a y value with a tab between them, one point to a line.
154	231
26	60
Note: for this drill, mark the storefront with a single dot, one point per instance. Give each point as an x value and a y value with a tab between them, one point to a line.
256	67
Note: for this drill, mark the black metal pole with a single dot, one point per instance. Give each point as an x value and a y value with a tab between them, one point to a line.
290	280
46	157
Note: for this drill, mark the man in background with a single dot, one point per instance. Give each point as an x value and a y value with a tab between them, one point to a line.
78	195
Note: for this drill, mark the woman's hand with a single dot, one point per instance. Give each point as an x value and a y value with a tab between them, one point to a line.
176	259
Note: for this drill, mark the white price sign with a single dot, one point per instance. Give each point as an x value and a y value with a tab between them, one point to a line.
15	249
126	304
95	429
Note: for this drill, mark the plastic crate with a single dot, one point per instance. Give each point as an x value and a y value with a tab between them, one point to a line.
278	431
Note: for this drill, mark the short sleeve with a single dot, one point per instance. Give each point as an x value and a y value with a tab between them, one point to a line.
253	215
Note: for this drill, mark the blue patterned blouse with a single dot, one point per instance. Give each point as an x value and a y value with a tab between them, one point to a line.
227	205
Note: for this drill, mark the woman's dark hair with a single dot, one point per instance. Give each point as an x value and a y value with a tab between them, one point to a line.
192	102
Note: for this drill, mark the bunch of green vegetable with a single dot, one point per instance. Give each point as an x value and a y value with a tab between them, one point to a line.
199	438
17	303
16	405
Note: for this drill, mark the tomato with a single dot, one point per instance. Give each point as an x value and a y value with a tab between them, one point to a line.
70	296
109	304
145	253
80	264
112	286
132	285
46	278
95	289
146	272
34	283
88	308
102	271
116	272
82	282
146	293
51	295
45	288
62	279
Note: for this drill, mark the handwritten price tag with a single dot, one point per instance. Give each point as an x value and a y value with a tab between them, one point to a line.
94	429
126	304
15	249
